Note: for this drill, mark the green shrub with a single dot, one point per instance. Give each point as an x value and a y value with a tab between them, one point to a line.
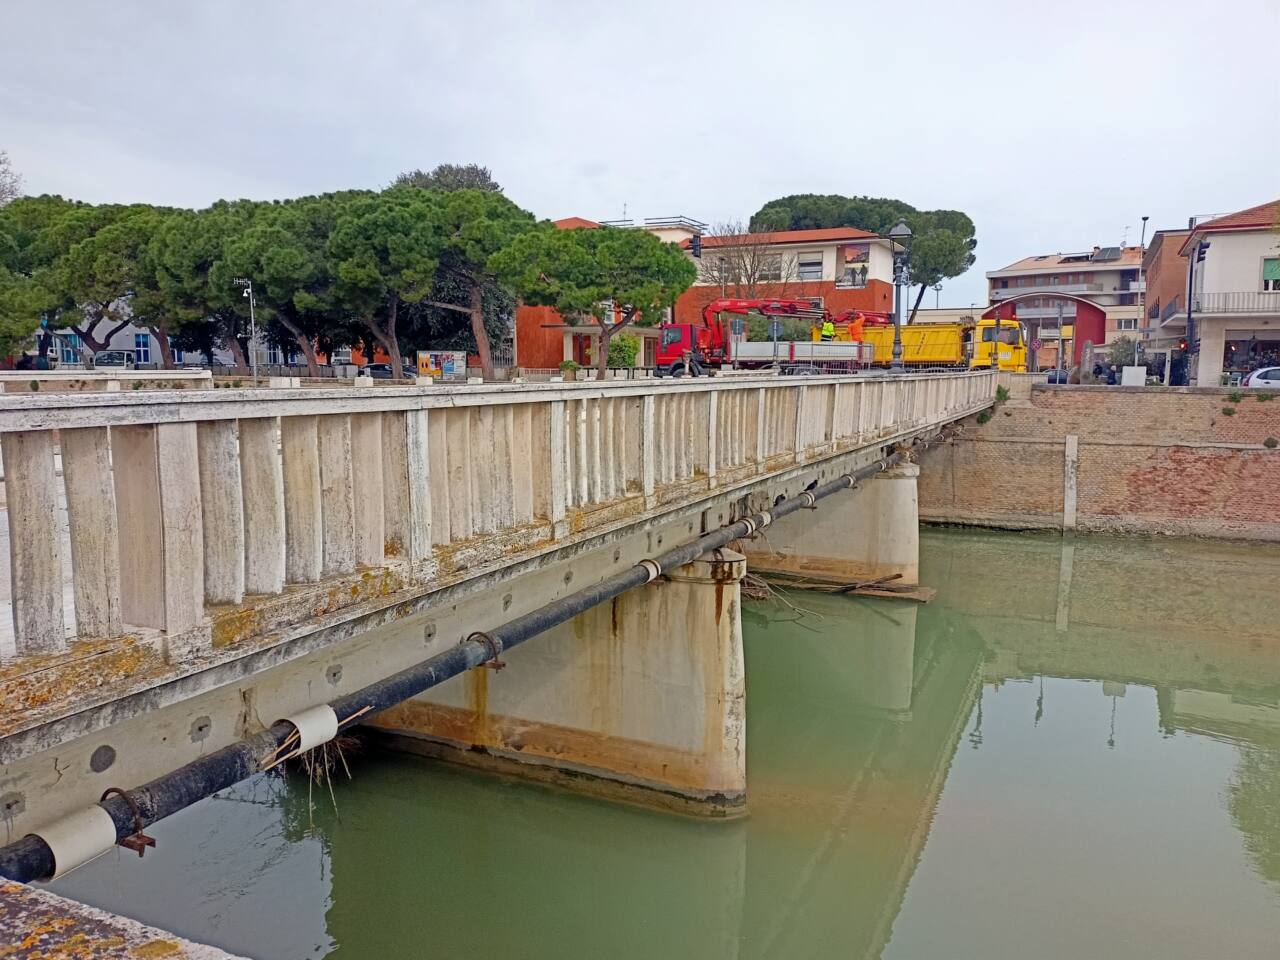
1228	411
1264	397
1271	443
569	365
1002	393
35	384
984	416
623	350
1235	396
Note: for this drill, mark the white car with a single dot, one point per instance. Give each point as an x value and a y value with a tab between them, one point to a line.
1263	377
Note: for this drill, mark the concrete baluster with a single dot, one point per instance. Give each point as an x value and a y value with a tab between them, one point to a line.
503	467
407	505
91	515
523	478
337	501
262	496
558	466
595	442
304	541
366	488
648	468
438	486
608	451
222	510
713	434
35	549
483	450
160	525
582	454
460	492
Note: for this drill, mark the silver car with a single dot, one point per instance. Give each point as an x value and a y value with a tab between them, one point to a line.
1263	377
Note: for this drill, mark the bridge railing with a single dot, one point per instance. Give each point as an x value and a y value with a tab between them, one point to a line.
205	519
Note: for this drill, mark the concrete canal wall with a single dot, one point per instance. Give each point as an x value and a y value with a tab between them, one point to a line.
1168	460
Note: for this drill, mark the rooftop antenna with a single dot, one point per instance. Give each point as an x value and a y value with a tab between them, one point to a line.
1124	237
624	209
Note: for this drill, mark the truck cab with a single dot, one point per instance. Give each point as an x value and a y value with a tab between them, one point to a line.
1010	345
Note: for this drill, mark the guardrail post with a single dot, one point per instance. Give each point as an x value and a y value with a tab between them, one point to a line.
801	393
35	550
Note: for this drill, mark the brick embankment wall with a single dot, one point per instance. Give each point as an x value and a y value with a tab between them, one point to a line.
1146	460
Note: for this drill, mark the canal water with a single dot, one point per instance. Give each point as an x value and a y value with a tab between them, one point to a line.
1072	751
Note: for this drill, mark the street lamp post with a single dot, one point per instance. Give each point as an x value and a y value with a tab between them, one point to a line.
1142	298
253	324
899	236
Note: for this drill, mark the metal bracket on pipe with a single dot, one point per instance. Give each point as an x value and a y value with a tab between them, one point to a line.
136	841
492	645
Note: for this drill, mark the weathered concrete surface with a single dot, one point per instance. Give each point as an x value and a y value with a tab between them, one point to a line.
38	924
871	532
646	692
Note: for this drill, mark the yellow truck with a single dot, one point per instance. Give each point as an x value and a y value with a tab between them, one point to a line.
958	345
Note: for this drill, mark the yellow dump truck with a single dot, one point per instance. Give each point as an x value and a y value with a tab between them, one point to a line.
960	345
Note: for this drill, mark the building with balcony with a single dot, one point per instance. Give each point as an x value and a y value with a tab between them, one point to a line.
839	268
1049	287
1235	294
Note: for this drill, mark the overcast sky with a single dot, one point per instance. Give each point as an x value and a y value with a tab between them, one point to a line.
1053	126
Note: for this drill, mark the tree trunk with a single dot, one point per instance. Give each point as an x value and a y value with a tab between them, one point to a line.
478	331
87	337
393	342
919	297
304	344
166	348
240	364
602	351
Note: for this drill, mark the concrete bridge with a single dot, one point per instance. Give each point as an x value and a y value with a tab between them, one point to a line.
205	581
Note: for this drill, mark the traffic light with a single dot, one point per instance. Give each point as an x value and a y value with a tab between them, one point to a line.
695	245
1182	344
1202	249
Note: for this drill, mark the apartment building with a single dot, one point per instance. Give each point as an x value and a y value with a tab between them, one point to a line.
1235	301
1045	284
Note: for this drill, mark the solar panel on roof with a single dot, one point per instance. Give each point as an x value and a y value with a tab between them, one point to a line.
1107	253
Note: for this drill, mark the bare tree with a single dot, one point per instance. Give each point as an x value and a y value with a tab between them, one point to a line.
745	265
10	180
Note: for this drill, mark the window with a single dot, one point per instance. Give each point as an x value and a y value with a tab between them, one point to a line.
178	355
672	336
71	348
770	268
1127	323
809	265
1053	280
1271	275
142	348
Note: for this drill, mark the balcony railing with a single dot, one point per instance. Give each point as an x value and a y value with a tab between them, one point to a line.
1001	293
1240	301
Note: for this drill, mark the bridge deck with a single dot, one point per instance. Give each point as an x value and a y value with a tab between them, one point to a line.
151	536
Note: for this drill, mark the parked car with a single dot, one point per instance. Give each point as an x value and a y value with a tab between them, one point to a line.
1263	377
1058	376
383	371
114	358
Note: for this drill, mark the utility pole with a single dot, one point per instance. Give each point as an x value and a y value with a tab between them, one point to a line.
1060	357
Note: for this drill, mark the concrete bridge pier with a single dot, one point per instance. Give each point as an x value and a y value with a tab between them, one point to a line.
873	531
640	699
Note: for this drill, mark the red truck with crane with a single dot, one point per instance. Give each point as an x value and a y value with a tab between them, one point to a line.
697	349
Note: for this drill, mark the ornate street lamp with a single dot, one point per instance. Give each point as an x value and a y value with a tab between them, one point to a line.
900	245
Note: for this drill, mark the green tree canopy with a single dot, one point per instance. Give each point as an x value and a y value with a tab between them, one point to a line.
942	244
620	277
450	176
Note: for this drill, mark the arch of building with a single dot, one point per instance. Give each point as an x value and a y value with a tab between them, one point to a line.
1090	320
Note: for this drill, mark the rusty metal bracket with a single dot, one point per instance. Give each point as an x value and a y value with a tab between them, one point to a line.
136	841
493	647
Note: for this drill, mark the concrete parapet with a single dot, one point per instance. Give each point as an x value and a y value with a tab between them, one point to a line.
641	699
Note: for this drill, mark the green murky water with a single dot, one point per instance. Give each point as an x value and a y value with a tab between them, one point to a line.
1073	751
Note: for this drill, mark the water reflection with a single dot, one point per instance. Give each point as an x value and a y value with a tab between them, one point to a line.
1074	750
